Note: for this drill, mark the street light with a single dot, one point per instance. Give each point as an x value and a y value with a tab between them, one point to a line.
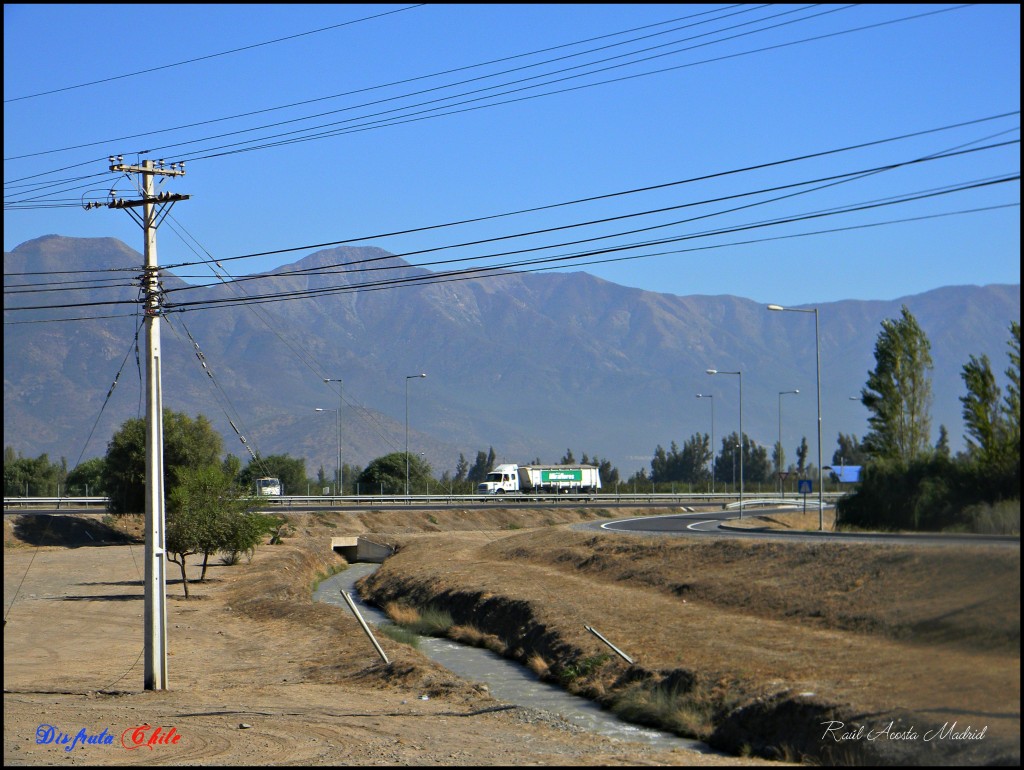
740	375
705	395
817	359
341	404
778	464
338	413
407	378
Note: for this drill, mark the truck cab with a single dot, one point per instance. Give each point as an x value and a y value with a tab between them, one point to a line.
504	479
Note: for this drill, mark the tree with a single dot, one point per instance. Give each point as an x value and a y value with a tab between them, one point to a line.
461	468
568	459
232	467
898	392
87	477
982	411
483	465
387	473
188	443
801	456
609	473
24	476
756	466
291	471
1011	404
208	512
778	458
850	451
194	515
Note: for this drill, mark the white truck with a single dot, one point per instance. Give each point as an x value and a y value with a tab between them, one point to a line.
511	479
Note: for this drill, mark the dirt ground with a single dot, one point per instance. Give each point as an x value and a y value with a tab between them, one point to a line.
260	675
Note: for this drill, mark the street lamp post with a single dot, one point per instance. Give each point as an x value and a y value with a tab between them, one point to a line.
337	490
407	378
817	360
740	375
778	464
705	395
341	404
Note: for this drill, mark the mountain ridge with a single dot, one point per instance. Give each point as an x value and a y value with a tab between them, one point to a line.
531	364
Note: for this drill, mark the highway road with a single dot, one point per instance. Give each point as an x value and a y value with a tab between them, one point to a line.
722	524
712	522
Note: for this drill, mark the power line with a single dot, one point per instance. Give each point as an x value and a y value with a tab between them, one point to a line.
240	146
396	83
208	56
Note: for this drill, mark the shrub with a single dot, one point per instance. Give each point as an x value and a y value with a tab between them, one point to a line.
400	634
1002	518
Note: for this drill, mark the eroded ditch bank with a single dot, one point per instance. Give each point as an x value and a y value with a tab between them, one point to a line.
505	679
728	713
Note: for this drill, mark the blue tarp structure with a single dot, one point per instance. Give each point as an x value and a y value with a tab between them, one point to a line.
845	474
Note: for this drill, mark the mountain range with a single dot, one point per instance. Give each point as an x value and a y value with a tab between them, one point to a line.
531	364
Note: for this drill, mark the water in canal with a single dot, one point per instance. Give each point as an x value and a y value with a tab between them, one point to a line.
506	680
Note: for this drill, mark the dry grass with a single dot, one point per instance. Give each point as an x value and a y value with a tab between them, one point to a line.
750	627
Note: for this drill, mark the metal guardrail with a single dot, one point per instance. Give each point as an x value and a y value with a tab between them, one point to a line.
36	502
285	501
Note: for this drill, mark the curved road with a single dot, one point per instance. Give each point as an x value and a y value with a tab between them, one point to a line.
716	523
699	524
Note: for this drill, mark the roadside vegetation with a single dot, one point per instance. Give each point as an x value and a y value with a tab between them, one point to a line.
909	484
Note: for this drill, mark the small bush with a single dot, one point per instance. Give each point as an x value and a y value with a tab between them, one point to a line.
433	622
400	634
1002	518
667	708
579	669
427	621
537	665
402	614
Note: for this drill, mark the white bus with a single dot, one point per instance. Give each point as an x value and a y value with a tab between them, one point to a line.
268	486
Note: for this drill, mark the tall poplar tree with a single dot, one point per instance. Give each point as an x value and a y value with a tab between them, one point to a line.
981	410
898	392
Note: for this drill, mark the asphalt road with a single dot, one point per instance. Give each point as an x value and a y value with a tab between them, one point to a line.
715	523
718	523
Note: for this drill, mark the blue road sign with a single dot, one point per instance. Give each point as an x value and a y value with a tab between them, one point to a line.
805	486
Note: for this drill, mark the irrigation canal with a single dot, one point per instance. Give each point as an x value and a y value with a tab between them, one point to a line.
506	680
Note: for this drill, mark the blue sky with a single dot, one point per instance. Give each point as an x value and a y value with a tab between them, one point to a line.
825	78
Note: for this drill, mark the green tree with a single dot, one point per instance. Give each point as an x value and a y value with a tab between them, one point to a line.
32	477
194	515
850	451
982	412
291	471
232	467
756	466
609	473
461	469
1011	404
801	456
207	512
387	473
87	477
778	458
688	465
898	392
568	458
483	465
188	443
942	443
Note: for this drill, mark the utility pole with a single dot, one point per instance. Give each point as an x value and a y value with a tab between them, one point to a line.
154	209
341	403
